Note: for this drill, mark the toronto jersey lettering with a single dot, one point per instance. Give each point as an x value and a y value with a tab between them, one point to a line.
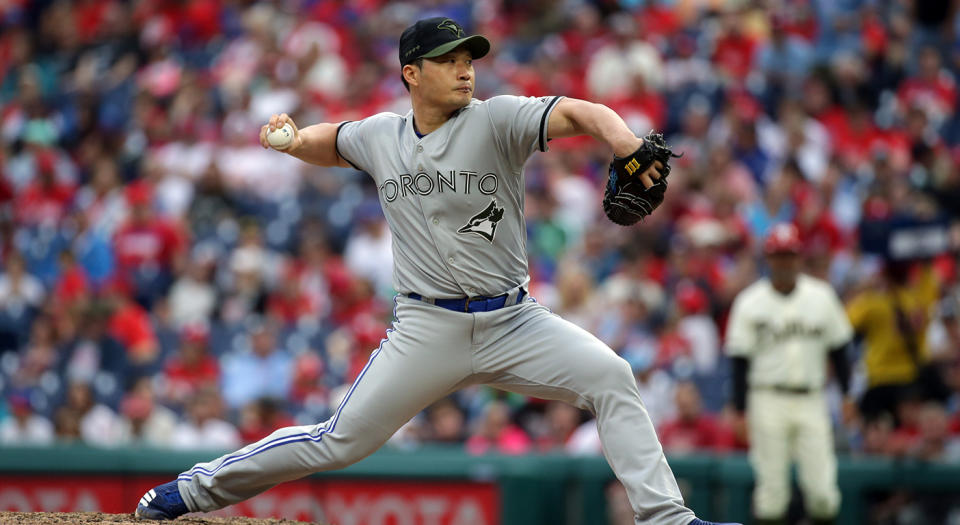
454	198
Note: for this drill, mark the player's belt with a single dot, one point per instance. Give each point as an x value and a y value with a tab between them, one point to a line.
475	304
785	389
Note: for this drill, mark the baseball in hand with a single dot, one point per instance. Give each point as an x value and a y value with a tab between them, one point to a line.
281	138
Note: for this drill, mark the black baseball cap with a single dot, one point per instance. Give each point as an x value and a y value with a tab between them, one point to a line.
433	37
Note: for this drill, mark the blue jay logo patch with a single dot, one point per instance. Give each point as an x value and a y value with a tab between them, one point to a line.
484	223
451	26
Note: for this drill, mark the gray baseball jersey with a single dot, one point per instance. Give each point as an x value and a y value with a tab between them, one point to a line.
454	198
454	202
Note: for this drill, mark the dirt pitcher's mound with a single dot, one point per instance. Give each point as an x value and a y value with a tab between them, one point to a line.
46	518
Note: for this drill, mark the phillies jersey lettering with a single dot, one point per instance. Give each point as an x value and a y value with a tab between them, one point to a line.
787	337
454	198
789	329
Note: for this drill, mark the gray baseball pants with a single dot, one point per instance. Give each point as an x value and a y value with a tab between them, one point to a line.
432	352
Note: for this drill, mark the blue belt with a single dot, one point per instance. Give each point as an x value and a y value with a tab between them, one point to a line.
472	304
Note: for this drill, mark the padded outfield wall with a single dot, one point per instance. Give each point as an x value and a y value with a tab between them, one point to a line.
432	486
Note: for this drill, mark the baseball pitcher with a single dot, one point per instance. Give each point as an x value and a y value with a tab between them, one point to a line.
450	181
780	332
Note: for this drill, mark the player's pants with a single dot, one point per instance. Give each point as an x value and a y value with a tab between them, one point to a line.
786	428
431	352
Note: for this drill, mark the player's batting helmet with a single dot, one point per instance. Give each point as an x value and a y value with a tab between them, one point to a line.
783	238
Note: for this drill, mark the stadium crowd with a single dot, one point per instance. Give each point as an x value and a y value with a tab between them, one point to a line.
166	281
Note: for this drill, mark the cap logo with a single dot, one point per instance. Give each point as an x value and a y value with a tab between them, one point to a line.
451	26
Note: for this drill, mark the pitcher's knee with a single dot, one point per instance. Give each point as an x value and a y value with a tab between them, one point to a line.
613	371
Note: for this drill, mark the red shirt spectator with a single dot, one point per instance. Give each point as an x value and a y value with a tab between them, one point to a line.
46	200
89	17
145	239
192	368
130	324
693	430
854	135
933	89
260	418
641	103
818	229
290	302
73	284
733	54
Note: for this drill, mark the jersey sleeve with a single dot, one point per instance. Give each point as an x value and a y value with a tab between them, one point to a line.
353	141
741	336
839	329
520	124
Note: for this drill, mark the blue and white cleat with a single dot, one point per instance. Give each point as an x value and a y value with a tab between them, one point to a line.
698	521
162	502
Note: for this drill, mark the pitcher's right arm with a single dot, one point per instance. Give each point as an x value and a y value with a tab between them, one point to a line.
316	144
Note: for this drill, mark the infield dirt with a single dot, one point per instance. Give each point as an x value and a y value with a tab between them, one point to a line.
83	518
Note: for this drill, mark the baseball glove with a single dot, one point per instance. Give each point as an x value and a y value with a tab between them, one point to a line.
626	200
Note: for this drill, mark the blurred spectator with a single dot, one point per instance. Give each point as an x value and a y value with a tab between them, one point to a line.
39	358
892	317
561	421
24	426
693	430
67	425
212	207
494	432
265	370
44	202
369	252
657	388
935	441
260	417
204	426
288	304
933	89
147	247
130	325
614	68
97	424
143	420
192	368
73	288
785	59
251	266
21	295
193	296
696	327
308	393
734	50
102	201
95	356
575	295
446	422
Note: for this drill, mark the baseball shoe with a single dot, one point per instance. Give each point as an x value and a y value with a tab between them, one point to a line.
698	521
162	502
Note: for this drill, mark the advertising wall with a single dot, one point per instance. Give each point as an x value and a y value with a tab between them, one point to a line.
343	502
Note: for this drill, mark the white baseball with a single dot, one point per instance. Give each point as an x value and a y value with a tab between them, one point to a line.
281	138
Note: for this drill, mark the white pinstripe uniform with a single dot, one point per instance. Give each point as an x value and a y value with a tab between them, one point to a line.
786	339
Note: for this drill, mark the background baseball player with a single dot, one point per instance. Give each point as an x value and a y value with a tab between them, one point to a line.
780	331
450	180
